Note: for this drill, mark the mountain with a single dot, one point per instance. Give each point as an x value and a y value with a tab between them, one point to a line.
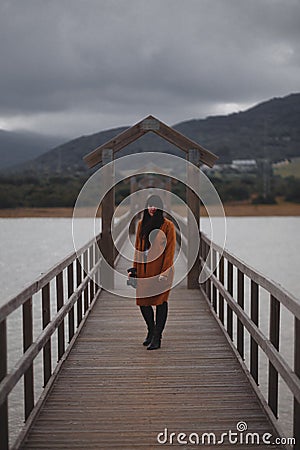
16	147
267	130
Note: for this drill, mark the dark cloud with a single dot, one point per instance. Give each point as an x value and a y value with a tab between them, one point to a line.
83	65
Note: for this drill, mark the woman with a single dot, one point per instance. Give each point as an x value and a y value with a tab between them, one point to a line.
153	265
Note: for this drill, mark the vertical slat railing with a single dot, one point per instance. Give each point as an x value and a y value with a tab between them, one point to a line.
45	320
4	438
81	292
268	343
255	318
274	338
27	341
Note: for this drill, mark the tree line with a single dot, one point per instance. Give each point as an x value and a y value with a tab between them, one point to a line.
62	191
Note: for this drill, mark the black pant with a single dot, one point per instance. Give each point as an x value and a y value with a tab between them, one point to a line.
161	317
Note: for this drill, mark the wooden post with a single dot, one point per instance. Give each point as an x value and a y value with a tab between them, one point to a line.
27	341
230	290
70	292
60	304
214	289
274	338
133	201
221	299
46	319
241	301
3	372
78	282
168	188
297	372
193	203
91	265
108	203
86	289
253	343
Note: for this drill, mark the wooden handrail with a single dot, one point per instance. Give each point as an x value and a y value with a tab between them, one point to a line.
11	379
268	344
279	292
86	274
16	301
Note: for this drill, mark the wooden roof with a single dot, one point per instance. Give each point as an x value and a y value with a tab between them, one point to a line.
154	125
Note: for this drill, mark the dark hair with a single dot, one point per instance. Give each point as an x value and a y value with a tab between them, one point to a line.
150	223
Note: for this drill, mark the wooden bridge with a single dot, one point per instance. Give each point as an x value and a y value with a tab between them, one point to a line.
88	382
108	391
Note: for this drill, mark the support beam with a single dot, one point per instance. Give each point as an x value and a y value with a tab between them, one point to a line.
108	202
193	203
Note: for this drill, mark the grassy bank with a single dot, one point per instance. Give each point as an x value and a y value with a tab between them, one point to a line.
231	209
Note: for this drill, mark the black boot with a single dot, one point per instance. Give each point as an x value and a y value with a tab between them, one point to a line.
161	318
148	315
156	341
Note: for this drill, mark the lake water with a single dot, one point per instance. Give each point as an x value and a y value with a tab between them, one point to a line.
30	247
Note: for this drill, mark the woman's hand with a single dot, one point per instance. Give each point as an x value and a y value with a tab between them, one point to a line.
162	278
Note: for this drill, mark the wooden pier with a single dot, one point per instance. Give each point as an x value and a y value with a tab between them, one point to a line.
113	393
101	389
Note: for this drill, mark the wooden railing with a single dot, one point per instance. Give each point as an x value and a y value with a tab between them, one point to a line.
73	285
228	300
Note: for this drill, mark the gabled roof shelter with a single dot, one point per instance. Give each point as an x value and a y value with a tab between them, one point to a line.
105	154
150	123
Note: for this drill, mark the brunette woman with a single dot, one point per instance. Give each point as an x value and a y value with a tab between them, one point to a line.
153	266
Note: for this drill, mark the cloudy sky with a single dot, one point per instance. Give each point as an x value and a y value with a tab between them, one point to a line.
73	67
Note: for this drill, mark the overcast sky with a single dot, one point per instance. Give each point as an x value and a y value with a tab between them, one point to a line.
73	67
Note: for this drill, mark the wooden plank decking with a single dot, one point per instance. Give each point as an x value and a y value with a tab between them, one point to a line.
112	393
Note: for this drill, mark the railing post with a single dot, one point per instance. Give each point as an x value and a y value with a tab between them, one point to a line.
214	296
241	300
208	261
253	343
297	372
193	214
221	299
97	257
59	304
27	341
86	289
91	265
46	320
274	338
4	439
70	292
78	281
108	203
230	290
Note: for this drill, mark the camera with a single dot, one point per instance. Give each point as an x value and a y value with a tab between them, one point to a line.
132	281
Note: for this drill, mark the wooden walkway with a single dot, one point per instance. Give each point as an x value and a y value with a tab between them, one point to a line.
114	394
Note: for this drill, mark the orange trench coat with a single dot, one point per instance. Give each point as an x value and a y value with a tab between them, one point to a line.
150	290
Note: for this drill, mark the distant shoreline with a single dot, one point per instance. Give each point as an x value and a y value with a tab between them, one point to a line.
231	210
